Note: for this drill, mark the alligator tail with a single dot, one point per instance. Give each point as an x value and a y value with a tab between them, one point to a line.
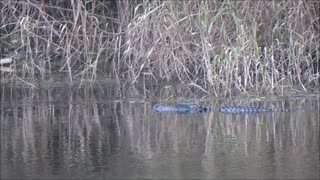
285	110
249	109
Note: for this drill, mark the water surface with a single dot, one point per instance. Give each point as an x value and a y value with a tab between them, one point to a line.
111	133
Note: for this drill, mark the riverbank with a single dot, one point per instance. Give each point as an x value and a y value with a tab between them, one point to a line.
220	48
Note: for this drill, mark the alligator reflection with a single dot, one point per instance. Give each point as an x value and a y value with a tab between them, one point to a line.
126	140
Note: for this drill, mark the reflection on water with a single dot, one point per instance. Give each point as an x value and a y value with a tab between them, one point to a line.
48	134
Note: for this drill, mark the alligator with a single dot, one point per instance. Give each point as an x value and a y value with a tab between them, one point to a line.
189	108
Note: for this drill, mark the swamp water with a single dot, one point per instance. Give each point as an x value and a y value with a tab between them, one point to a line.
109	132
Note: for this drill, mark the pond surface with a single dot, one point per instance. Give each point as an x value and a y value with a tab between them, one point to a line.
113	133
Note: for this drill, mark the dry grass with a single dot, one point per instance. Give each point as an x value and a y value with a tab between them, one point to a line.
222	47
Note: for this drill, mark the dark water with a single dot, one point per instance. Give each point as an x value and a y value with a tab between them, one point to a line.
94	133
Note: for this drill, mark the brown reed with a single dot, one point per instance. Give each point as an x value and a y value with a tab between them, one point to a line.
221	47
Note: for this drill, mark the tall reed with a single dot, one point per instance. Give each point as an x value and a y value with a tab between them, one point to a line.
228	46
221	47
